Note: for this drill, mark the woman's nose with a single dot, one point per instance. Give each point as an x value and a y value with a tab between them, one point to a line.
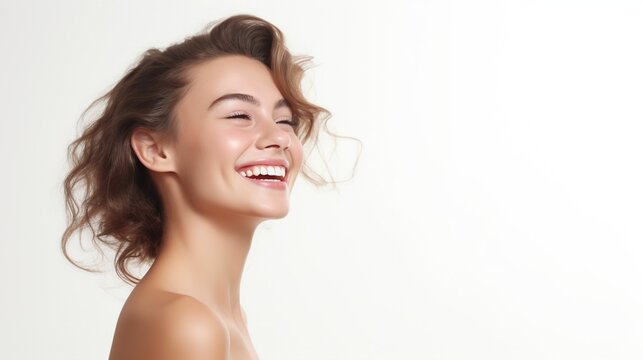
273	134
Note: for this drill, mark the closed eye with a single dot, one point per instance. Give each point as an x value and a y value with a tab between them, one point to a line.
239	115
289	122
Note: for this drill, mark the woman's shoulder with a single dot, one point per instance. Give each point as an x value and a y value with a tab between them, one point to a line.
157	324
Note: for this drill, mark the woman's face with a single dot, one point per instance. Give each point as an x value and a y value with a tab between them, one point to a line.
233	121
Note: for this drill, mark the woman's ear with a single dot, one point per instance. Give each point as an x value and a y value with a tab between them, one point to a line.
151	150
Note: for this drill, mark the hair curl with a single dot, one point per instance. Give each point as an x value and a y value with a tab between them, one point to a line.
120	204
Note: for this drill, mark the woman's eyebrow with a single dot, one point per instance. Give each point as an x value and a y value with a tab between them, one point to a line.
247	98
281	103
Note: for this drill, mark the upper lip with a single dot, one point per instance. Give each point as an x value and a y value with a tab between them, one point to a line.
267	162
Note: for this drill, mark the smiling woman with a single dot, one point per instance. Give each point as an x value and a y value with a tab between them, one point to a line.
196	146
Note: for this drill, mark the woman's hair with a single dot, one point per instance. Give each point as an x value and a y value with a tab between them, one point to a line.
120	203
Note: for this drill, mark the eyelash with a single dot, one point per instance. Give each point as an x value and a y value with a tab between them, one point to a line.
247	117
238	116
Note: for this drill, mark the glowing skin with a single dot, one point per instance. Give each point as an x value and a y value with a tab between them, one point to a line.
211	146
211	211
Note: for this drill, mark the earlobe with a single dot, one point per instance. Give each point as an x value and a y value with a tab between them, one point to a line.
150	150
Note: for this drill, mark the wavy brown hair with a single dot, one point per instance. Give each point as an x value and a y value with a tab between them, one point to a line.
120	204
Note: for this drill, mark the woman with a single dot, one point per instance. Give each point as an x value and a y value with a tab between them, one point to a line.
196	146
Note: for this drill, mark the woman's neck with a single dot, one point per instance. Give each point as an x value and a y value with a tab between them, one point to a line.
205	258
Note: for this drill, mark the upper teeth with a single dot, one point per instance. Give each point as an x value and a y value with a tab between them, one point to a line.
264	170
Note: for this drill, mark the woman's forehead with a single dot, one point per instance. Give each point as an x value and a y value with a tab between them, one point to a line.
230	69
228	75
232	74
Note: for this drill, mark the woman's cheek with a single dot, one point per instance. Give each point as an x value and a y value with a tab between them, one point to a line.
232	143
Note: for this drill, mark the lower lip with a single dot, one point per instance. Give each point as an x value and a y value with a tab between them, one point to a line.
279	185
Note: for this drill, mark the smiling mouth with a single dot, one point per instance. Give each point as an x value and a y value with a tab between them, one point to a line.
266	181
272	177
265	173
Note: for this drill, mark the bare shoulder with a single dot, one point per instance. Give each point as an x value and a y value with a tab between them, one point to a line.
187	329
179	327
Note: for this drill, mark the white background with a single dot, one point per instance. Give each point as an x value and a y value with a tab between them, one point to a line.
495	212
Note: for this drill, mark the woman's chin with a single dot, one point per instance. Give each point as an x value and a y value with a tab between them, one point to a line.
275	214
268	212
